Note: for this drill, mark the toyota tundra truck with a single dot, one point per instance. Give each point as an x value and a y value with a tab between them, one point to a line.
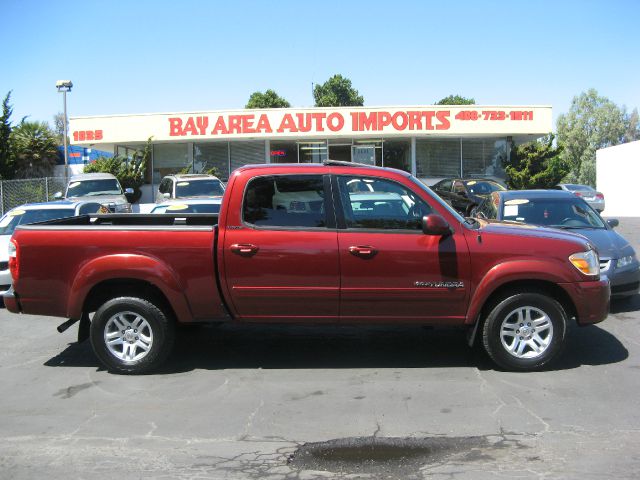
301	244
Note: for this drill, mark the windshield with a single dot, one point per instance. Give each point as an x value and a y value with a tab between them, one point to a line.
90	188
436	198
552	212
193	208
22	217
483	187
199	188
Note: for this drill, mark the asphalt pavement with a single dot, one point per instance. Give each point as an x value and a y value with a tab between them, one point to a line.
322	402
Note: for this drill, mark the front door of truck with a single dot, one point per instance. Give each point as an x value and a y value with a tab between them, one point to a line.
390	270
281	250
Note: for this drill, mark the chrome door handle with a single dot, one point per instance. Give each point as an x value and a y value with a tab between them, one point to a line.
363	251
244	249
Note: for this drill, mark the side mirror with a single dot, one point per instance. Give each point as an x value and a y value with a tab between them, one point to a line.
613	222
434	224
57	195
128	191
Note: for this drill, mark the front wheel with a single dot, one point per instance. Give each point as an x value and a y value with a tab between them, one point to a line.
525	331
131	335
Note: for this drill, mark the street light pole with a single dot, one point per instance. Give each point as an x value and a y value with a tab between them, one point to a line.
64	86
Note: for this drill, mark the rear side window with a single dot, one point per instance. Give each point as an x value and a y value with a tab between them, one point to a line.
285	201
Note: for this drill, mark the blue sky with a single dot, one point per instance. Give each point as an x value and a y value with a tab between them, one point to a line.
176	56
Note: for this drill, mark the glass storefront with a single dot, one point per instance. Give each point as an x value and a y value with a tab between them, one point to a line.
435	157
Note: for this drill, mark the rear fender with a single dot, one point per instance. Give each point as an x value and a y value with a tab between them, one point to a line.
514	271
128	267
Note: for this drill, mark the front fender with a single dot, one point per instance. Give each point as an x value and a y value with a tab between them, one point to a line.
515	271
127	267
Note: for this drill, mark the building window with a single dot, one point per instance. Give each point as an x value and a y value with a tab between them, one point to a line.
283	152
245	153
169	158
438	158
397	154
312	151
210	155
484	157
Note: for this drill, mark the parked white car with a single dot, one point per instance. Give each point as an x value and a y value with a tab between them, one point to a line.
100	187
33	213
189	185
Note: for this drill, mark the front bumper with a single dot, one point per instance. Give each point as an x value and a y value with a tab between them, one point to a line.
625	282
591	300
11	301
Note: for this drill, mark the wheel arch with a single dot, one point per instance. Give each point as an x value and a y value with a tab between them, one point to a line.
505	290
143	275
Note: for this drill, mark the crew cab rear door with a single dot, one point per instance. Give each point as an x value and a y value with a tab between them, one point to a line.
391	270
281	249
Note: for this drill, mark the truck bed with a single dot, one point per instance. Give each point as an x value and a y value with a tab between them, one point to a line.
72	258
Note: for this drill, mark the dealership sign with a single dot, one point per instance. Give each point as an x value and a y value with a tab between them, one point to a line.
314	123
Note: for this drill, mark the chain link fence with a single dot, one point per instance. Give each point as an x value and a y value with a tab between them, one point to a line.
19	192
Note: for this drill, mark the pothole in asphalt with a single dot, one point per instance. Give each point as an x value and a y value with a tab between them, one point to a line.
387	456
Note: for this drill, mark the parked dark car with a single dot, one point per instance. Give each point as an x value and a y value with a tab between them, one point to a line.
464	194
561	209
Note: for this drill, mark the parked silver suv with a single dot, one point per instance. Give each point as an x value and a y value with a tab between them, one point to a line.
191	185
101	187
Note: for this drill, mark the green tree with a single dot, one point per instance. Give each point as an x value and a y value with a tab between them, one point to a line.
536	164
337	92
130	172
456	100
592	122
58	127
268	99
632	132
34	149
6	157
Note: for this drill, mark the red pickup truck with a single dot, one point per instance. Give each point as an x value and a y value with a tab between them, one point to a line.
332	243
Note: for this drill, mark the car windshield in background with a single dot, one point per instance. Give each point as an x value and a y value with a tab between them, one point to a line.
23	217
482	187
199	188
552	212
194	208
88	188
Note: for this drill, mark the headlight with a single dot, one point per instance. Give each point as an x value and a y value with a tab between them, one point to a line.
123	208
587	262
624	261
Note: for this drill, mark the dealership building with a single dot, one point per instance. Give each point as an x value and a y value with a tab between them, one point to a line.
431	142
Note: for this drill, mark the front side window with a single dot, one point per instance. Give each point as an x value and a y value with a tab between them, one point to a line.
384	204
285	201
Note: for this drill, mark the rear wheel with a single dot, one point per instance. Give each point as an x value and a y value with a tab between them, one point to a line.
525	331
131	335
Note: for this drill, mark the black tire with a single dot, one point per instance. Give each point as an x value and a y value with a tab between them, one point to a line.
156	334
503	319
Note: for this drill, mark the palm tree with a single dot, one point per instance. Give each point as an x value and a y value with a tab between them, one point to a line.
35	149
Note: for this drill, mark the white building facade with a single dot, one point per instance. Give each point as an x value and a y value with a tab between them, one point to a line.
617	174
431	142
